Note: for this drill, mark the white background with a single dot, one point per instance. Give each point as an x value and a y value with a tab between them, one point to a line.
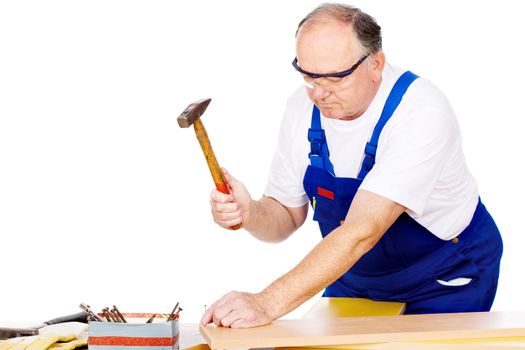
104	199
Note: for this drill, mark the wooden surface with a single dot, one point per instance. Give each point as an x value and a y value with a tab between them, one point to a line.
458	344
373	329
350	307
191	339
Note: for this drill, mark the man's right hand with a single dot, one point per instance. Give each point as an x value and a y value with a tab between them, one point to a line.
231	209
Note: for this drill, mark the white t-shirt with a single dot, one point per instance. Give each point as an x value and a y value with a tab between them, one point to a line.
419	161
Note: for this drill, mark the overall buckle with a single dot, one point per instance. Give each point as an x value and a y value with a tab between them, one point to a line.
316	138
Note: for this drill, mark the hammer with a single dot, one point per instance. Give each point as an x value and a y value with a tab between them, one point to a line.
191	116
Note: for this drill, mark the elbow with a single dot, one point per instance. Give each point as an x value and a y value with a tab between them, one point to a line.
365	238
366	244
274	238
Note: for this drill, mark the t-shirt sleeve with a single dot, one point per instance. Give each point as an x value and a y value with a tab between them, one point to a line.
285	180
413	151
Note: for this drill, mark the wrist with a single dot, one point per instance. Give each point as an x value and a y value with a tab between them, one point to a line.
272	303
249	214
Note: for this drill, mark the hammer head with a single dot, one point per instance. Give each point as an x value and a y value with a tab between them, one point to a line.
193	112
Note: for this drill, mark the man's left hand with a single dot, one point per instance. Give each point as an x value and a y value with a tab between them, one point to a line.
238	310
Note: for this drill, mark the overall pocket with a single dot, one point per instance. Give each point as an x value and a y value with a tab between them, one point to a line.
460	273
330	210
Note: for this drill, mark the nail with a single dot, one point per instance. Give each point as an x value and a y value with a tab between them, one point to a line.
119	314
115	316
176	317
87	309
110	314
106	314
151	318
176	314
173	311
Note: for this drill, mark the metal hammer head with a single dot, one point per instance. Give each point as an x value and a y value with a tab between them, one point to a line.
193	112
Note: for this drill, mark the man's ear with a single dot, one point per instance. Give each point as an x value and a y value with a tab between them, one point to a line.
377	65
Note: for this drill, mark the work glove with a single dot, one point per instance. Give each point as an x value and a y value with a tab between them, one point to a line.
43	342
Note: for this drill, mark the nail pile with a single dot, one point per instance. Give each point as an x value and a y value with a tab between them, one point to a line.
114	315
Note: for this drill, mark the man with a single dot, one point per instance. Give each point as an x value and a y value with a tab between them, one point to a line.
376	151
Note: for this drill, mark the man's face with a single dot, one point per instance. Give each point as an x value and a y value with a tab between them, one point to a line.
332	47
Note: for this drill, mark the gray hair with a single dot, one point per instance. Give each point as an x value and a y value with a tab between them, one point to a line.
367	31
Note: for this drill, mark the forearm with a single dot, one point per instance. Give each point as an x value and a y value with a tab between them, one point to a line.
330	259
270	221
367	220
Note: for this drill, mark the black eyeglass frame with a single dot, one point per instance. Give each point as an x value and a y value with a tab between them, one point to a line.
329	75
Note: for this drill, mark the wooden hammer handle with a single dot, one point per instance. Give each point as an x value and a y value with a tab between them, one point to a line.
215	169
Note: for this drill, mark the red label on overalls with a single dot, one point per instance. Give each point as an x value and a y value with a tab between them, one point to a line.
325	193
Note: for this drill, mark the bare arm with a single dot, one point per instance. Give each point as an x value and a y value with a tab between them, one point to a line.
270	221
369	217
367	220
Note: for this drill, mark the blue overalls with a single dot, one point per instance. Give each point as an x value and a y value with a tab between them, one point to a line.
407	262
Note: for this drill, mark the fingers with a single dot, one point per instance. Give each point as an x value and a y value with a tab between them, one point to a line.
220	313
207	317
245	323
223	207
237	310
230	209
228	176
235	185
232	181
230	318
209	314
226	217
223	313
229	223
225	211
220	197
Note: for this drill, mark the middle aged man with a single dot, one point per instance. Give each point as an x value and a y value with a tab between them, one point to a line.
377	152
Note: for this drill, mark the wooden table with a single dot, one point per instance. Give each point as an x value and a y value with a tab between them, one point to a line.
485	331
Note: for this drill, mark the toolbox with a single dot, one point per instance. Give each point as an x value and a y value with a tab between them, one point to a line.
160	334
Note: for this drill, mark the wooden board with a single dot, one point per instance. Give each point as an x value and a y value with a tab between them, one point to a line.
191	339
497	345
369	329
350	307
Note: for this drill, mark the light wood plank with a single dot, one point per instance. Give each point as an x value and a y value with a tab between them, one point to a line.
350	307
490	345
434	346
372	329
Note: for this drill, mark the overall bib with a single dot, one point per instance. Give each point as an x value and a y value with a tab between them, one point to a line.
408	264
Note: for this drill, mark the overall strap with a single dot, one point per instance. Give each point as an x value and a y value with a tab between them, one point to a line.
319	154
393	100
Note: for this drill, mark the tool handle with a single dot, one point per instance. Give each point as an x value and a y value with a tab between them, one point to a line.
78	317
213	165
